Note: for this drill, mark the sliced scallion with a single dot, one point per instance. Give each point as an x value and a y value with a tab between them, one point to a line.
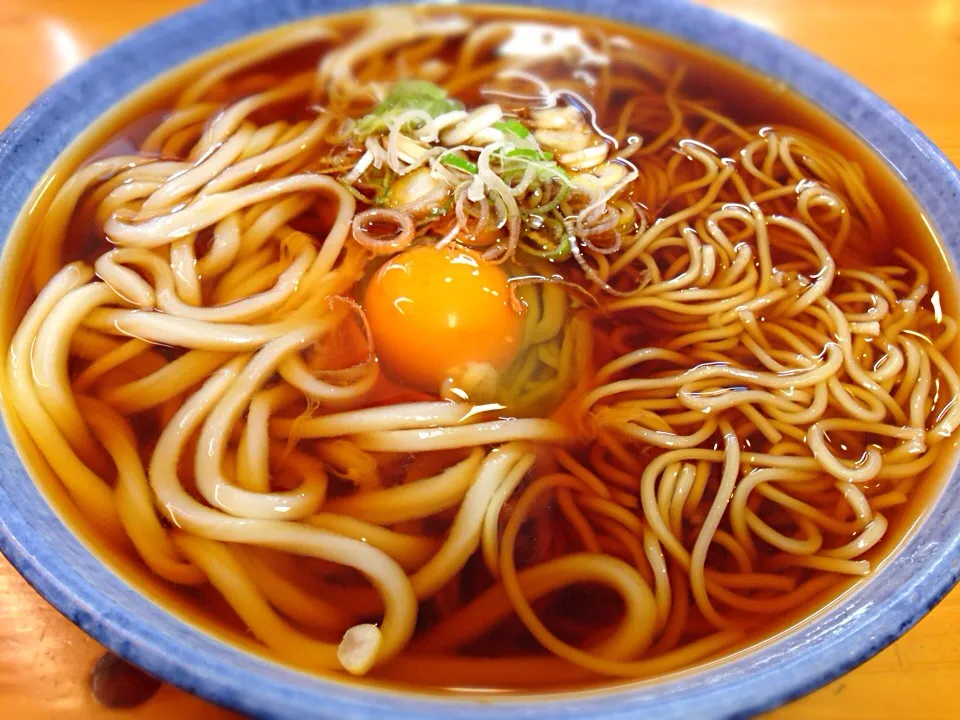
528	153
510	125
461	163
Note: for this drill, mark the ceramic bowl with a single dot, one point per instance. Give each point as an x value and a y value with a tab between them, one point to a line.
82	588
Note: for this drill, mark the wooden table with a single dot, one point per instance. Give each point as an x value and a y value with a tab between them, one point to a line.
906	50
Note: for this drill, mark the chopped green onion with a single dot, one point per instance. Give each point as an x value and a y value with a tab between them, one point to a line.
531	154
543	249
561	193
461	163
557	171
407	95
528	153
357	194
442	209
385	187
515	127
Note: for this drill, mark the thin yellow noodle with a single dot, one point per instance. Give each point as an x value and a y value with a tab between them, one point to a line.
731	470
582	528
639	601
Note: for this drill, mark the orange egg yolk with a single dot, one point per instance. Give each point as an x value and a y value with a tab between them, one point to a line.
433	311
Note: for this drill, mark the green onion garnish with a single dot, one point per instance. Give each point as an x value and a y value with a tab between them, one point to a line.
515	127
461	163
558	197
528	153
406	95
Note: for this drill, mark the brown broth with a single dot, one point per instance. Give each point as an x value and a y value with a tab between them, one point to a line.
746	96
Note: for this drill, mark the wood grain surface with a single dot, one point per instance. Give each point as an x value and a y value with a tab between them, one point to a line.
908	51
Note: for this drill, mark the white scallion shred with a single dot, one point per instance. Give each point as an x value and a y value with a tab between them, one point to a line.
442	122
396	129
365	161
487	136
595	209
492	182
376	150
481	118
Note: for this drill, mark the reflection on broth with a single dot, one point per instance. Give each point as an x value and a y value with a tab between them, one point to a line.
485	350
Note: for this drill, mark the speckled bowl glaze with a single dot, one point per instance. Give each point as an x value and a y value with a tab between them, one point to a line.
59	566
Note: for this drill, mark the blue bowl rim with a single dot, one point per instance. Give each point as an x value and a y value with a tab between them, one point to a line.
57	564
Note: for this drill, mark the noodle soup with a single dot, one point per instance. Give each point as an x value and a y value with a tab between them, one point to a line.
483	350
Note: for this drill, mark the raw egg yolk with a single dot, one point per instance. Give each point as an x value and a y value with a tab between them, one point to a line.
432	311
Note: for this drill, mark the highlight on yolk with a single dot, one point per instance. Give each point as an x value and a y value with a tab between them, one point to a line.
432	311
